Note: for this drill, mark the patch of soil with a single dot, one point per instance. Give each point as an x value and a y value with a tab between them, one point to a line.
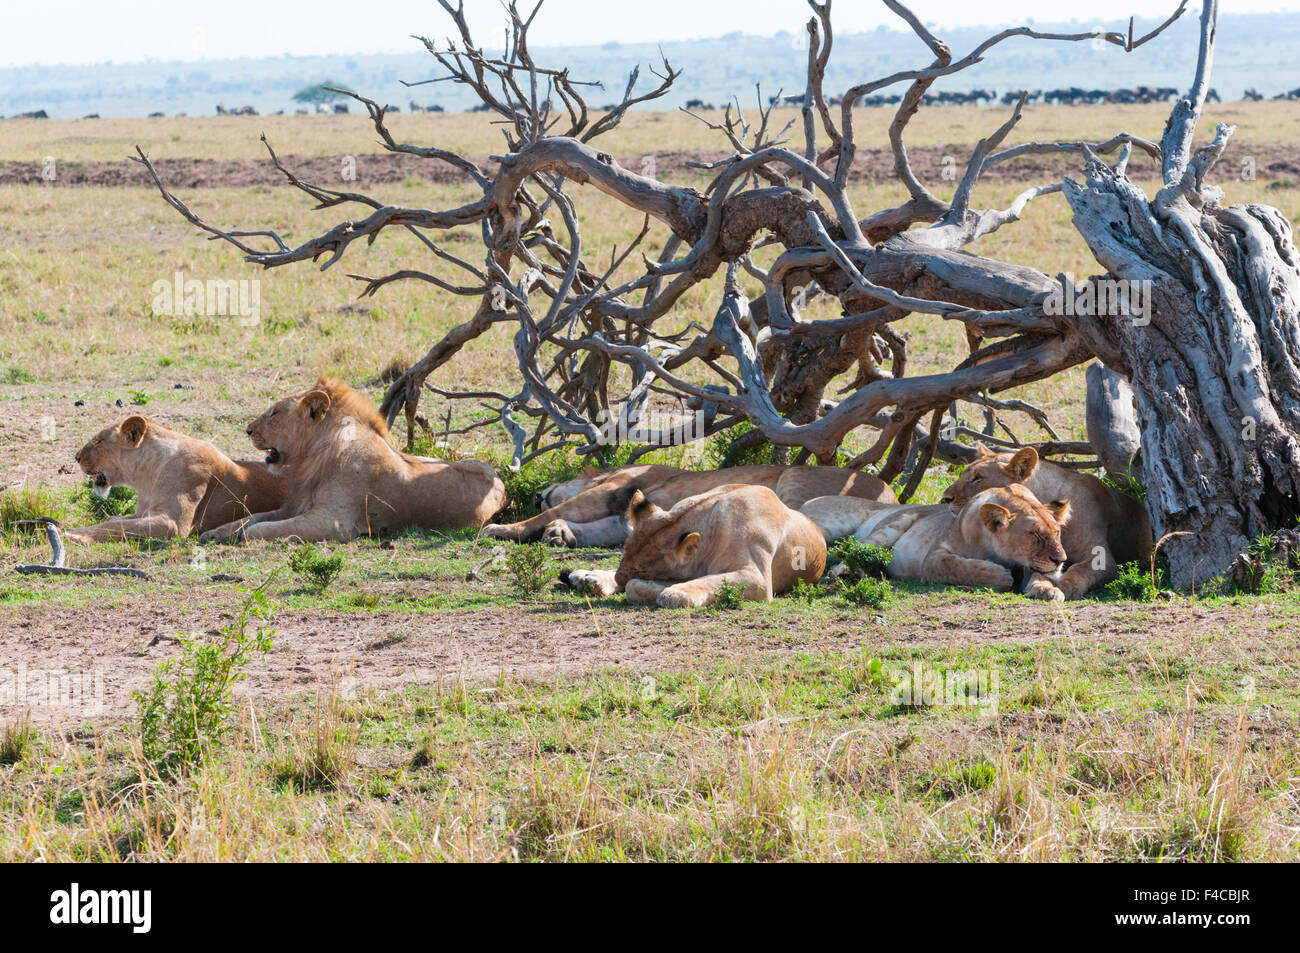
116	651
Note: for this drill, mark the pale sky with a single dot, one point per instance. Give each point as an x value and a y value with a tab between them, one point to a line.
51	32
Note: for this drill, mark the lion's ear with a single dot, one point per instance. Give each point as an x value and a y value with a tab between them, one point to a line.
638	507
315	405
687	545
983	451
1022	466
133	429
1060	510
996	518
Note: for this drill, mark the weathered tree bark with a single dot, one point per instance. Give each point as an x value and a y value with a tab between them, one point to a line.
1113	429
1216	369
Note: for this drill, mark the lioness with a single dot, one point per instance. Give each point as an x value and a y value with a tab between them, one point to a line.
591	510
1108	528
996	534
345	479
738	534
182	484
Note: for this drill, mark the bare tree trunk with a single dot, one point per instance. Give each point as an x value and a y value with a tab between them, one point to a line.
1215	366
1113	429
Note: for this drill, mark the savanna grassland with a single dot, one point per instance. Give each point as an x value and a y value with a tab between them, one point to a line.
436	696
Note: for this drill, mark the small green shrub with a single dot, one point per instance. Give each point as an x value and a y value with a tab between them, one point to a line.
315	567
730	449
17	375
119	502
139	398
806	592
728	596
1133	583
869	593
186	712
862	559
523	485
531	568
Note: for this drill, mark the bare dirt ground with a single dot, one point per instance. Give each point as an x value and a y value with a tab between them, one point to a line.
1272	160
386	650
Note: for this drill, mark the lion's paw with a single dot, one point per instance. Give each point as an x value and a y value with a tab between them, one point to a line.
678	597
1040	587
558	533
643	591
590	582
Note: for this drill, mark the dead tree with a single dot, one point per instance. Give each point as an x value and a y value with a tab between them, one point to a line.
595	340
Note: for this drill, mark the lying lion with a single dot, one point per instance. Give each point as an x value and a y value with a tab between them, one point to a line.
345	479
1108	528
591	509
733	533
998	534
182	485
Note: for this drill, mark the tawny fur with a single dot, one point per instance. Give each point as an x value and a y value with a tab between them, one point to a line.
182	484
346	480
1106	530
979	545
738	534
590	509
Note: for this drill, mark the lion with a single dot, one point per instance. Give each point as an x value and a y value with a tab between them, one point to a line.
591	509
182	484
735	533
1108	528
345	479
998	535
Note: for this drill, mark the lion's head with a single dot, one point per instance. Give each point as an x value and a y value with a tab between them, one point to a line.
662	543
293	429
1017	529
989	471
107	456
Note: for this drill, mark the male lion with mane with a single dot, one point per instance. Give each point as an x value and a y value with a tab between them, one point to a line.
999	537
346	480
182	484
737	534
590	510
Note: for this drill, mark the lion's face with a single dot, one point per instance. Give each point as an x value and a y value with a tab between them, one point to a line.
1020	530
106	457
991	471
660	546
286	428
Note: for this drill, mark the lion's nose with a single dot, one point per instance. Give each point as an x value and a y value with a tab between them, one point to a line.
249	431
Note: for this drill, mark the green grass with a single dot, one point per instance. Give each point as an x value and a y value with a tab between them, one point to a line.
316	567
794	757
30	502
